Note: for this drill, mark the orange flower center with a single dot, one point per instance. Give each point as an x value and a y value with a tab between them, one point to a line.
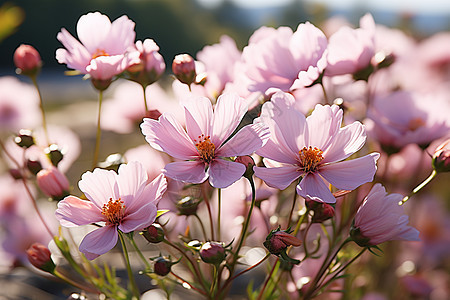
99	52
415	124
310	158
113	211
205	148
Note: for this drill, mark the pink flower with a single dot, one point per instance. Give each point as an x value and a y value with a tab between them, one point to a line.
205	142
123	201
53	182
276	58
148	65
312	148
380	219
351	50
101	52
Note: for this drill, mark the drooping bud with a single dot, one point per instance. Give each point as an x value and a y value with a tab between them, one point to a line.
183	68
212	253
188	206
154	233
34	166
249	163
54	153
40	257
15	173
441	157
24	139
163	265
27	60
277	242
322	211
53	183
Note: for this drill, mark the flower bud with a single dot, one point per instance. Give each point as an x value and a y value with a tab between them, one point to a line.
27	60
249	163
154	233
188	206
183	68
34	166
441	157
15	173
212	253
53	183
148	64
162	266
40	257
153	114
112	162
278	240
54	153
24	139
322	211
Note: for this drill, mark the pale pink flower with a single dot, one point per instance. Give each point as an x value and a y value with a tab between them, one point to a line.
282	59
123	201
103	46
312	148
380	218
148	64
205	142
351	50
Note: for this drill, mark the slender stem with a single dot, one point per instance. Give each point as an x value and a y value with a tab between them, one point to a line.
134	287
201	226
145	99
251	267
261	293
80	286
325	96
41	106
133	242
186	282
215	279
99	130
304	239
208	206
219	204
419	187
294	201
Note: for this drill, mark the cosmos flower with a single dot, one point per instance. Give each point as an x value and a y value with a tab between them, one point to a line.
123	201
312	148
206	141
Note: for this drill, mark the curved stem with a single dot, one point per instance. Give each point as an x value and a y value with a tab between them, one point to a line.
291	213
269	276
134	287
41	106
201	226
419	187
99	130
251	267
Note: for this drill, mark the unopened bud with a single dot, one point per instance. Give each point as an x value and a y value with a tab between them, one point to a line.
54	153
112	162
27	60
53	183
322	211
149	64
162	265
40	257
34	166
153	114
183	68
382	59
188	206
212	253
278	240
24	139
15	173
249	163
154	233
441	157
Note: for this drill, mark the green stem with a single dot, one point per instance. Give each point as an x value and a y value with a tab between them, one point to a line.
208	206
261	293
145	100
41	106
294	201
99	130
419	187
219	204
132	241
324	93
134	287
73	283
201	226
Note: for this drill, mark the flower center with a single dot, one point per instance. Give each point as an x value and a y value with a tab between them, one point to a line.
113	211
310	158
415	124
99	52
205	148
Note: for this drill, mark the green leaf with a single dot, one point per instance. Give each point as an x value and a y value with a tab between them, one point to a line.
161	212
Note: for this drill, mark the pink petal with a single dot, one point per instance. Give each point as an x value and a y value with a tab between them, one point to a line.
120	37
246	141
76	56
228	113
140	219
223	173
347	141
278	153
92	30
131	180
73	211
168	135
106	67
313	187
323	124
199	115
186	171
152	193
279	178
99	186
349	174
99	241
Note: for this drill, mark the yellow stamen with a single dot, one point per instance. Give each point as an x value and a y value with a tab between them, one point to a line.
415	124
113	211
99	52
205	148
310	158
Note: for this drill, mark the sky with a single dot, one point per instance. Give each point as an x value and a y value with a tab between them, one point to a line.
410	6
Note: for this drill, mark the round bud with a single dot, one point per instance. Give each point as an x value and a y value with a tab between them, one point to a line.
188	206
154	233
162	266
212	253
24	139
